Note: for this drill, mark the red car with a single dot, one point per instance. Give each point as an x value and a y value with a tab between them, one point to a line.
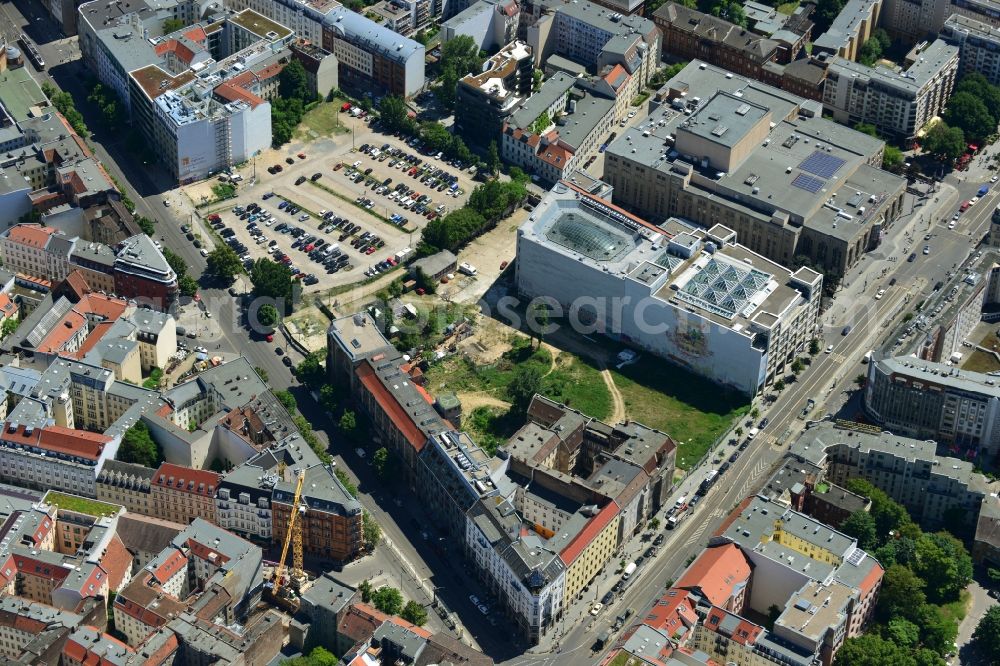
302	156
503	265
370	250
310	247
269	337
286	261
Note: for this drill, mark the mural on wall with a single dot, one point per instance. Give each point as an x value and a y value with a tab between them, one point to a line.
691	340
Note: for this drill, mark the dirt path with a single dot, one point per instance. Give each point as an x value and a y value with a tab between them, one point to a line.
618	410
480	399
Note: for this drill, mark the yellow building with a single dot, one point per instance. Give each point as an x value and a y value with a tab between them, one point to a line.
590	550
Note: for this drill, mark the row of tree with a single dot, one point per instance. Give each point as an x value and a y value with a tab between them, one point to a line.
972	114
288	107
389	600
64	104
924	573
395	117
489	203
187	285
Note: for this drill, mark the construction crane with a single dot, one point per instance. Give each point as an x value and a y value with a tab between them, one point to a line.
293	535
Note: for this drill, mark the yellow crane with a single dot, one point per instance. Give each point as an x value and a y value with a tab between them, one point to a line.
293	535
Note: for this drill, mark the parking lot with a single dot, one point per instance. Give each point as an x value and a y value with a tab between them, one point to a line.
331	222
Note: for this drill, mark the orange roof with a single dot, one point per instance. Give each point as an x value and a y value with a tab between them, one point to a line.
187	479
170	566
672	613
7	306
391	407
196	34
271	71
117	561
872	579
82	654
717	573
70	442
588	533
95	336
102	305
238	89
733	515
555	154
71	324
181	50
31	234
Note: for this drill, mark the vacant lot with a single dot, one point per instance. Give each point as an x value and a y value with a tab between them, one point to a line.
690	409
325	119
980	361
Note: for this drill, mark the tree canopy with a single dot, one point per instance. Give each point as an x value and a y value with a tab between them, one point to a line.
872	650
224	263
944	142
272	280
987	634
968	112
415	613
138	447
389	600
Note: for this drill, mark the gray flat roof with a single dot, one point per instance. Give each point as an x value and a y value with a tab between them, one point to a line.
906	83
556	86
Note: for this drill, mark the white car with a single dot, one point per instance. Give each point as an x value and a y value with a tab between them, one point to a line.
973	200
596	608
951	225
829	349
360	452
166	202
356	164
201	350
994	179
203	252
631	114
880	294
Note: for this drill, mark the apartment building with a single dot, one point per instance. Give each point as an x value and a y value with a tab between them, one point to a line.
38	455
680	278
87	646
490	23
707	155
897	103
484	101
243	502
331	524
593	36
372	57
913	20
933	488
853	27
143	273
978	45
127	485
557	129
927	400
181	494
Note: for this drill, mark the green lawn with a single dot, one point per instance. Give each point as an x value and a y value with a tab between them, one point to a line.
788	7
980	361
80	504
325	119
689	408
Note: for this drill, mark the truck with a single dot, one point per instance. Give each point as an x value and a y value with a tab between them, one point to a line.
675	520
629	570
868	356
708	482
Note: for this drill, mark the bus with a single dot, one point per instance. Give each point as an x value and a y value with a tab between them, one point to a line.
708	482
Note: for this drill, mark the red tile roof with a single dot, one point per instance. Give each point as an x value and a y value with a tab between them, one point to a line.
201	482
31	234
29	566
673	613
588	533
71	442
207	553
68	327
117	561
872	579
270	71
717	573
196	34
360	622
7	306
170	566
82	654
238	89
388	403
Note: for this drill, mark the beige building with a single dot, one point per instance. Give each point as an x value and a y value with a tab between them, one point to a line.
126	484
589	551
181	494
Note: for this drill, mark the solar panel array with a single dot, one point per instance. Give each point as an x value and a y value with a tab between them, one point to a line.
808	183
822	164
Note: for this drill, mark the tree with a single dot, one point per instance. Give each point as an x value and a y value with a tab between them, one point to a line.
272	280
541	123
462	53
755	413
366	590
968	113
224	191
389	600
892	157
414	613
861	526
977	85
888	514
147	225
172	25
310	371
348	421
872	650
393	113
294	83
902	593
371	531
993	575
493	159
870	52
937	631
452	231
224	263
826	12
380	460
859	380
779	385
287	400
262	373
654	524
267	315
944	563
987	634
902	632
526	383
349	485
138	447
944	142
773	613
798	366
539	321
178	265
10	325
318	657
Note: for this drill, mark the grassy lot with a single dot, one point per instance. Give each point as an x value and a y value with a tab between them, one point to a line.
80	504
690	409
571	380
788	7
957	610
322	120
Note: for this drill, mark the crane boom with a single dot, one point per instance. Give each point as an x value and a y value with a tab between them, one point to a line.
292	516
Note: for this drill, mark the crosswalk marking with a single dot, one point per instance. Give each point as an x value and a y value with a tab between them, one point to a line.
697	533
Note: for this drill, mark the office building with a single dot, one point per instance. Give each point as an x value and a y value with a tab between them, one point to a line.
490	23
978	46
373	58
727	150
484	101
898	103
926	400
934	488
696	298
